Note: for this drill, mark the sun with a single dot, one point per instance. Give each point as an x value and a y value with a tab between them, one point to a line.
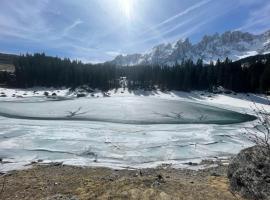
127	8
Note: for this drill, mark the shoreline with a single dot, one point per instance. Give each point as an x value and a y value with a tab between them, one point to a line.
7	166
53	182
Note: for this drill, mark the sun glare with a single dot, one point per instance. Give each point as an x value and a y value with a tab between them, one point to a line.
127	8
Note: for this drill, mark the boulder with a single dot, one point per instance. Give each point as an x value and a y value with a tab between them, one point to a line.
249	173
79	95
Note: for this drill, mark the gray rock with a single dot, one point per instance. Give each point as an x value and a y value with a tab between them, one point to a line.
81	95
249	173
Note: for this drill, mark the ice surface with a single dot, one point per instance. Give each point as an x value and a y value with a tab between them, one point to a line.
129	143
116	145
129	110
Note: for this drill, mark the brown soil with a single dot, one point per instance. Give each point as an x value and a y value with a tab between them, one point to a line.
73	183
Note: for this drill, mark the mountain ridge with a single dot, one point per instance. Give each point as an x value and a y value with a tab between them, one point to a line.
232	44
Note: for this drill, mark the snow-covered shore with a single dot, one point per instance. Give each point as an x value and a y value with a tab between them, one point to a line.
239	100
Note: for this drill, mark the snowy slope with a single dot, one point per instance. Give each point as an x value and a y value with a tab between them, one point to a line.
234	45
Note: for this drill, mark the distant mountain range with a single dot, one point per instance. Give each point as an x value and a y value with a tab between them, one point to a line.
232	44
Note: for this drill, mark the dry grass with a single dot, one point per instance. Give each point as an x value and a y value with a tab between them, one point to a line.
100	183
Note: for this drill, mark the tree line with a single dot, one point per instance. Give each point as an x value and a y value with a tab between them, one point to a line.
247	75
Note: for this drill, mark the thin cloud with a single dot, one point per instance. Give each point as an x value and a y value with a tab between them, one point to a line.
164	33
185	12
23	20
258	21
72	26
192	25
113	53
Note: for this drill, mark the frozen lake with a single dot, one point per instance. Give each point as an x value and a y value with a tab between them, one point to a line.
128	110
116	132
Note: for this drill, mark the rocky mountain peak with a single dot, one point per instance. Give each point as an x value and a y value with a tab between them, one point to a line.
232	44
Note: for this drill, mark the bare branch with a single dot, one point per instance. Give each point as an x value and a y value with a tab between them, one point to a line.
260	134
75	113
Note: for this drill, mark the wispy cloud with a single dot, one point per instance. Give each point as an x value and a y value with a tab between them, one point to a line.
259	20
72	26
113	53
22	20
162	34
188	24
180	14
156	33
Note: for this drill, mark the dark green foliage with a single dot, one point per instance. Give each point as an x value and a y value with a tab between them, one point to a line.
6	78
248	75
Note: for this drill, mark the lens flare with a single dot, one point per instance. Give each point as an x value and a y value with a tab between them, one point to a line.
127	8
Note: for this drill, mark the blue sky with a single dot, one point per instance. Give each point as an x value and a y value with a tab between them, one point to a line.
98	30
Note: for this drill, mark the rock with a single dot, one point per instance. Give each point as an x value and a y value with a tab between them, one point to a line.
46	94
192	164
215	174
3	95
106	94
86	88
56	164
249	173
54	94
228	92
160	178
61	197
207	162
81	95
82	89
